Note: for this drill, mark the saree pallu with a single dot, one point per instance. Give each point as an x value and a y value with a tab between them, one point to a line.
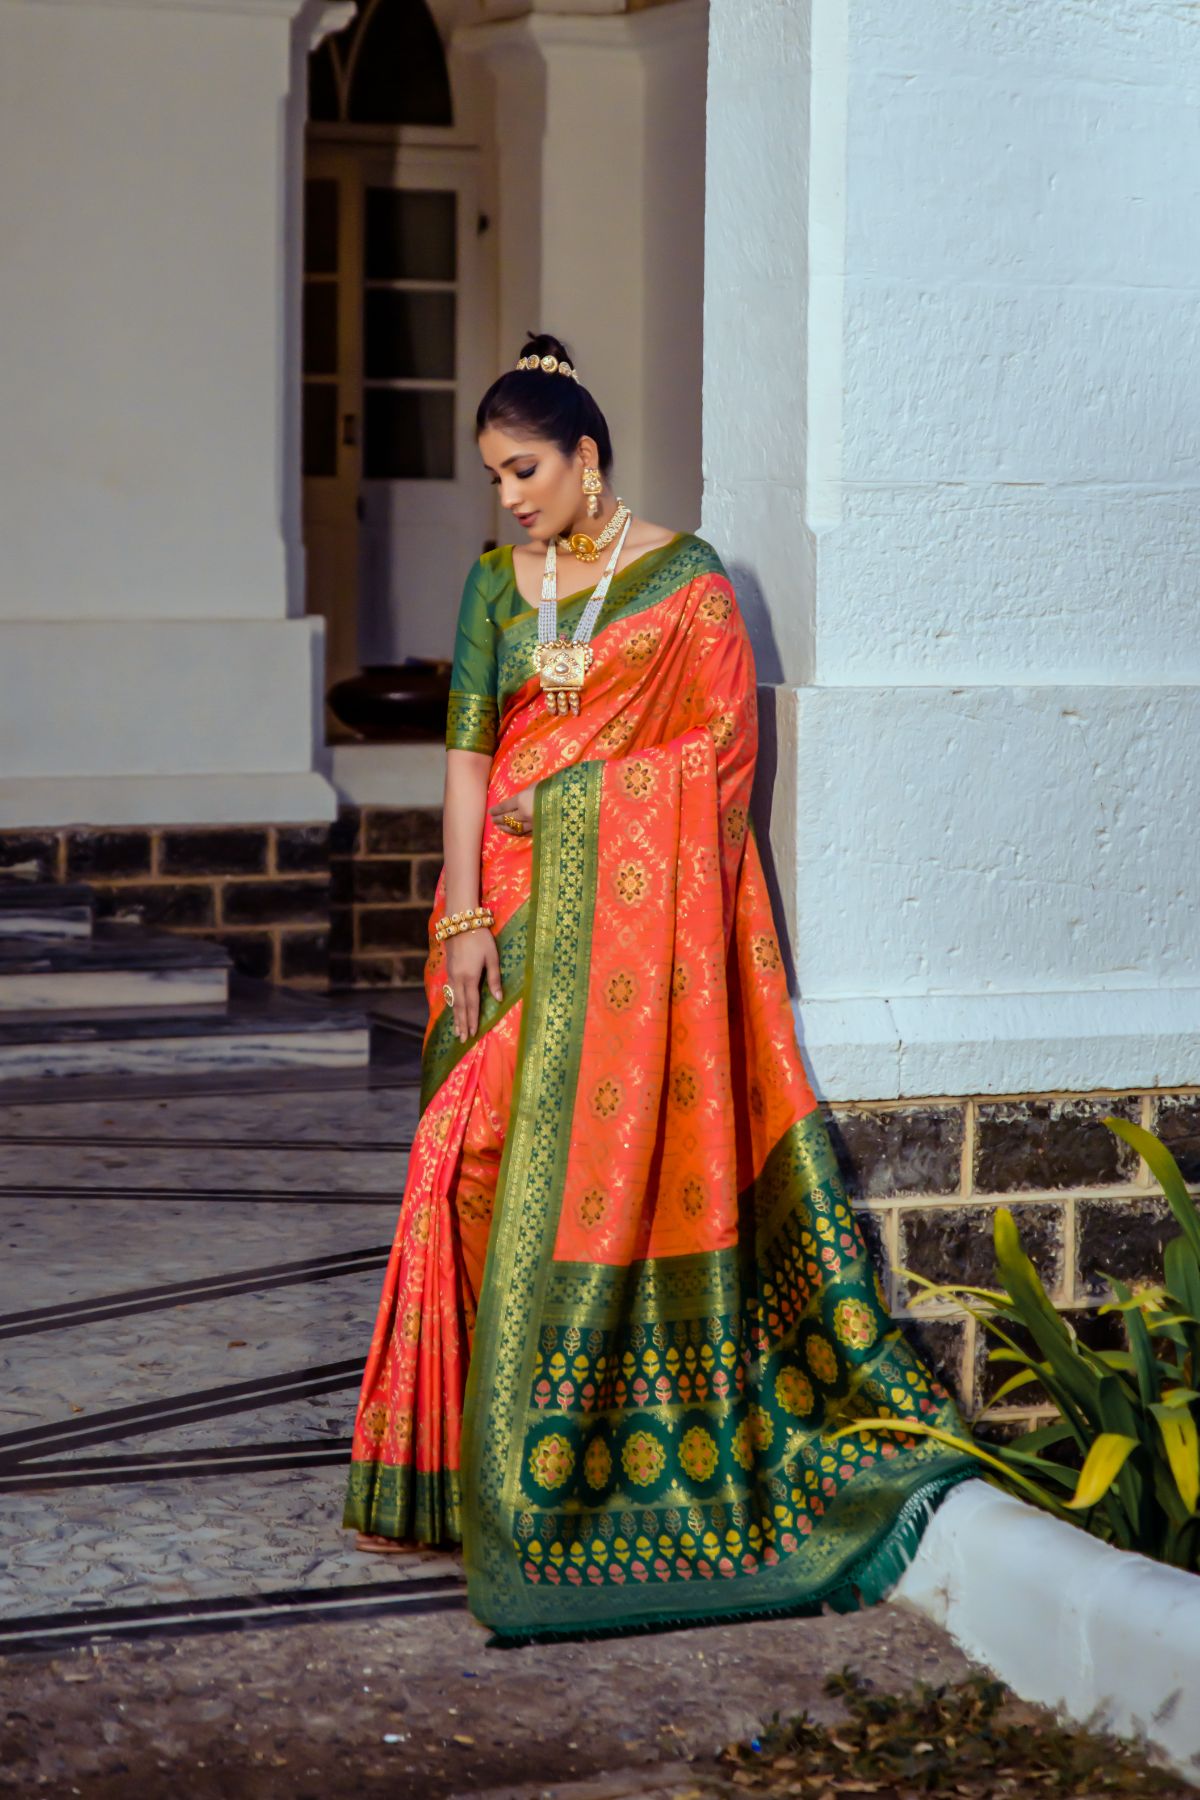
623	1209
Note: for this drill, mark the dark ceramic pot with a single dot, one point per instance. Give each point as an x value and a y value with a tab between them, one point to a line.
394	703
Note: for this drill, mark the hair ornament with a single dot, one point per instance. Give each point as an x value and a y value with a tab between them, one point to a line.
548	365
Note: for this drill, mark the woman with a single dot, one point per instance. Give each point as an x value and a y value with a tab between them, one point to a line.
622	1208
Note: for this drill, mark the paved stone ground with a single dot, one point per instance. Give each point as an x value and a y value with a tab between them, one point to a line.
188	1285
418	1706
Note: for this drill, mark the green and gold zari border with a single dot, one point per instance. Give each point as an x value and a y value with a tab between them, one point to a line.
443	1051
471	723
652	1445
529	1184
651	579
402	1502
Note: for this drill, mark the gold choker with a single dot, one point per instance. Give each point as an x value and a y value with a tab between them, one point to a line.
586	549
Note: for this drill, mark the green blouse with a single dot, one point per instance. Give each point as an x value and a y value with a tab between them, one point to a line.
497	630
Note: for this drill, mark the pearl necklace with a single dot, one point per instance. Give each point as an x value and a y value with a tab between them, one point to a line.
563	662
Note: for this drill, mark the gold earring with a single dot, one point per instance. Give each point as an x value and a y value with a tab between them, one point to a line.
593	487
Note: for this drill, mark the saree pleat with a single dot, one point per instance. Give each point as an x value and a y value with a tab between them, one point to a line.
623	1200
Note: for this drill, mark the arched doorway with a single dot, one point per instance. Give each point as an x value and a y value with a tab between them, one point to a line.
397	342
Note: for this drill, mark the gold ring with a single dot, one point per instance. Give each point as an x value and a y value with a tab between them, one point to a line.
513	822
447	993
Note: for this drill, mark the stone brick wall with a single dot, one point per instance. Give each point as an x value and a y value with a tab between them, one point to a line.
926	1178
385	864
345	905
261	890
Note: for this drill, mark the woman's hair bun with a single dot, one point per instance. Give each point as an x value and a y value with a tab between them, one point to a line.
540	343
529	405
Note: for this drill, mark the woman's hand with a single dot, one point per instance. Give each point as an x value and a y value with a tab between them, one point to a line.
522	805
471	956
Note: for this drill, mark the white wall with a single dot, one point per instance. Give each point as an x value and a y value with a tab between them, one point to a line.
149	178
951	454
599	126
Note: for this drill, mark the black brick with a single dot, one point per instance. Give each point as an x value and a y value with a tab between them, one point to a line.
384	882
425	877
110	853
228	850
362	971
1051	1144
341	931
1177	1123
1124	1238
173	906
954	1243
253	952
909	1150
941	1344
275	902
30	851
302	849
403	832
303	954
393	928
344	832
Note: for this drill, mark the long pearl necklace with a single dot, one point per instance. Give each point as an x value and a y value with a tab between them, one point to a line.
563	662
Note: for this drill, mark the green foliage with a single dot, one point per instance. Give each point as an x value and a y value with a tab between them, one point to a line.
1123	1455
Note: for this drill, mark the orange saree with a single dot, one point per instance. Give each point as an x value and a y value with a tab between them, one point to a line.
628	1307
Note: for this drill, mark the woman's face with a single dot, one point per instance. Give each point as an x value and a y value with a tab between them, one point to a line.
537	484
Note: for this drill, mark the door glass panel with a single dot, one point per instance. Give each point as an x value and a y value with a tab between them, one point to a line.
411	234
319	434
320	327
409	335
320	227
409	435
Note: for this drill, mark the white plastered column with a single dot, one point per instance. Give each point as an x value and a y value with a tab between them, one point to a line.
155	661
951	456
599	134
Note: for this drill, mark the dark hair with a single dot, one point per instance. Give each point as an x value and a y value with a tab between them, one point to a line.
531	403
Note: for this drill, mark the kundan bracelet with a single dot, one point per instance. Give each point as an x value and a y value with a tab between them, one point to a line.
471	920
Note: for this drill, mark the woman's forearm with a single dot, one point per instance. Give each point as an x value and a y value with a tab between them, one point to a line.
464	809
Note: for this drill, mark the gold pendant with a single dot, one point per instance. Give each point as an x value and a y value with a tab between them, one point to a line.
562	666
583	547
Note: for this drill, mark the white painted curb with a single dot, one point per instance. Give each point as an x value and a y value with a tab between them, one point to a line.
1106	1637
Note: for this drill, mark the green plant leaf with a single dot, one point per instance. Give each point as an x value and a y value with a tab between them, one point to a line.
1140	1347
1182	1268
1180	1396
1038	1315
1020	1380
1031	1442
1182	1444
1165	1170
1104	1462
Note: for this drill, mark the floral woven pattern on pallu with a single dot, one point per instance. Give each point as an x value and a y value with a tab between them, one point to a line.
678	1311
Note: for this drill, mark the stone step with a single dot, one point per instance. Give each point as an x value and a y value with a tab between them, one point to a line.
118	966
262	1028
45	909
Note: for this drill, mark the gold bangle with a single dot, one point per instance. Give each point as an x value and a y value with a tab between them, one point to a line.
470	919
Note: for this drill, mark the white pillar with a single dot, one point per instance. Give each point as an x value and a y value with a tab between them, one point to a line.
599	122
151	587
952	284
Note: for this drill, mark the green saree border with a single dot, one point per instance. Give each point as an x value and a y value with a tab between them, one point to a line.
397	1500
443	1051
525	1218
